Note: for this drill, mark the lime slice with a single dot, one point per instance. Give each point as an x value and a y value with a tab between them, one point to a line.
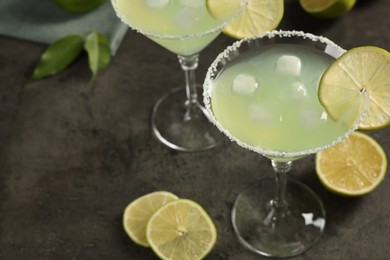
327	8
258	17
181	230
359	75
138	213
353	167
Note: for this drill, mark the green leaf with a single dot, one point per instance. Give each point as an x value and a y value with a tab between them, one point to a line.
58	56
98	49
79	6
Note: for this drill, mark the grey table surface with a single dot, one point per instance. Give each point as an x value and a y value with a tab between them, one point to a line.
72	159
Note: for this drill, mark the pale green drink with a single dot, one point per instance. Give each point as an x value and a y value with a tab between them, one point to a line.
172	23
268	98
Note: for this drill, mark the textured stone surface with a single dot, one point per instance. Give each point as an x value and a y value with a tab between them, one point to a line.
71	159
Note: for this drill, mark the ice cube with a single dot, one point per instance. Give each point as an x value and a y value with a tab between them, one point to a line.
186	17
156	3
312	118
263	114
289	64
192	3
298	91
245	84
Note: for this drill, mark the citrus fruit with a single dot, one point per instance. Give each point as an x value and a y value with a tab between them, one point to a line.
359	76
353	167
327	8
137	214
181	230
258	16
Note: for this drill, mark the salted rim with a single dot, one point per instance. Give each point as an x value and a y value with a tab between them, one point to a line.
332	49
244	4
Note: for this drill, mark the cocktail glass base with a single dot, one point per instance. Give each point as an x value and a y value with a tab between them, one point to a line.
181	124
274	231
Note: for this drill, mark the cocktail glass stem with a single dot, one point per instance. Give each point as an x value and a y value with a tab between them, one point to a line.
179	120
278	208
189	64
281	169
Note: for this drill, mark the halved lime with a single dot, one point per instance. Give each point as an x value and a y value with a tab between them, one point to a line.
137	214
181	230
353	167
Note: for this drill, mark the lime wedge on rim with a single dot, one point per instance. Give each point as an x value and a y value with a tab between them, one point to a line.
181	230
360	72
327	8
353	167
137	214
258	17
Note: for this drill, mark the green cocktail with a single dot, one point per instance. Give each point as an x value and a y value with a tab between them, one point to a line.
268	98
172	19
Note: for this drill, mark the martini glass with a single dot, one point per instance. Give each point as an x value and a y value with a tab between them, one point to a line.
262	94
184	27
